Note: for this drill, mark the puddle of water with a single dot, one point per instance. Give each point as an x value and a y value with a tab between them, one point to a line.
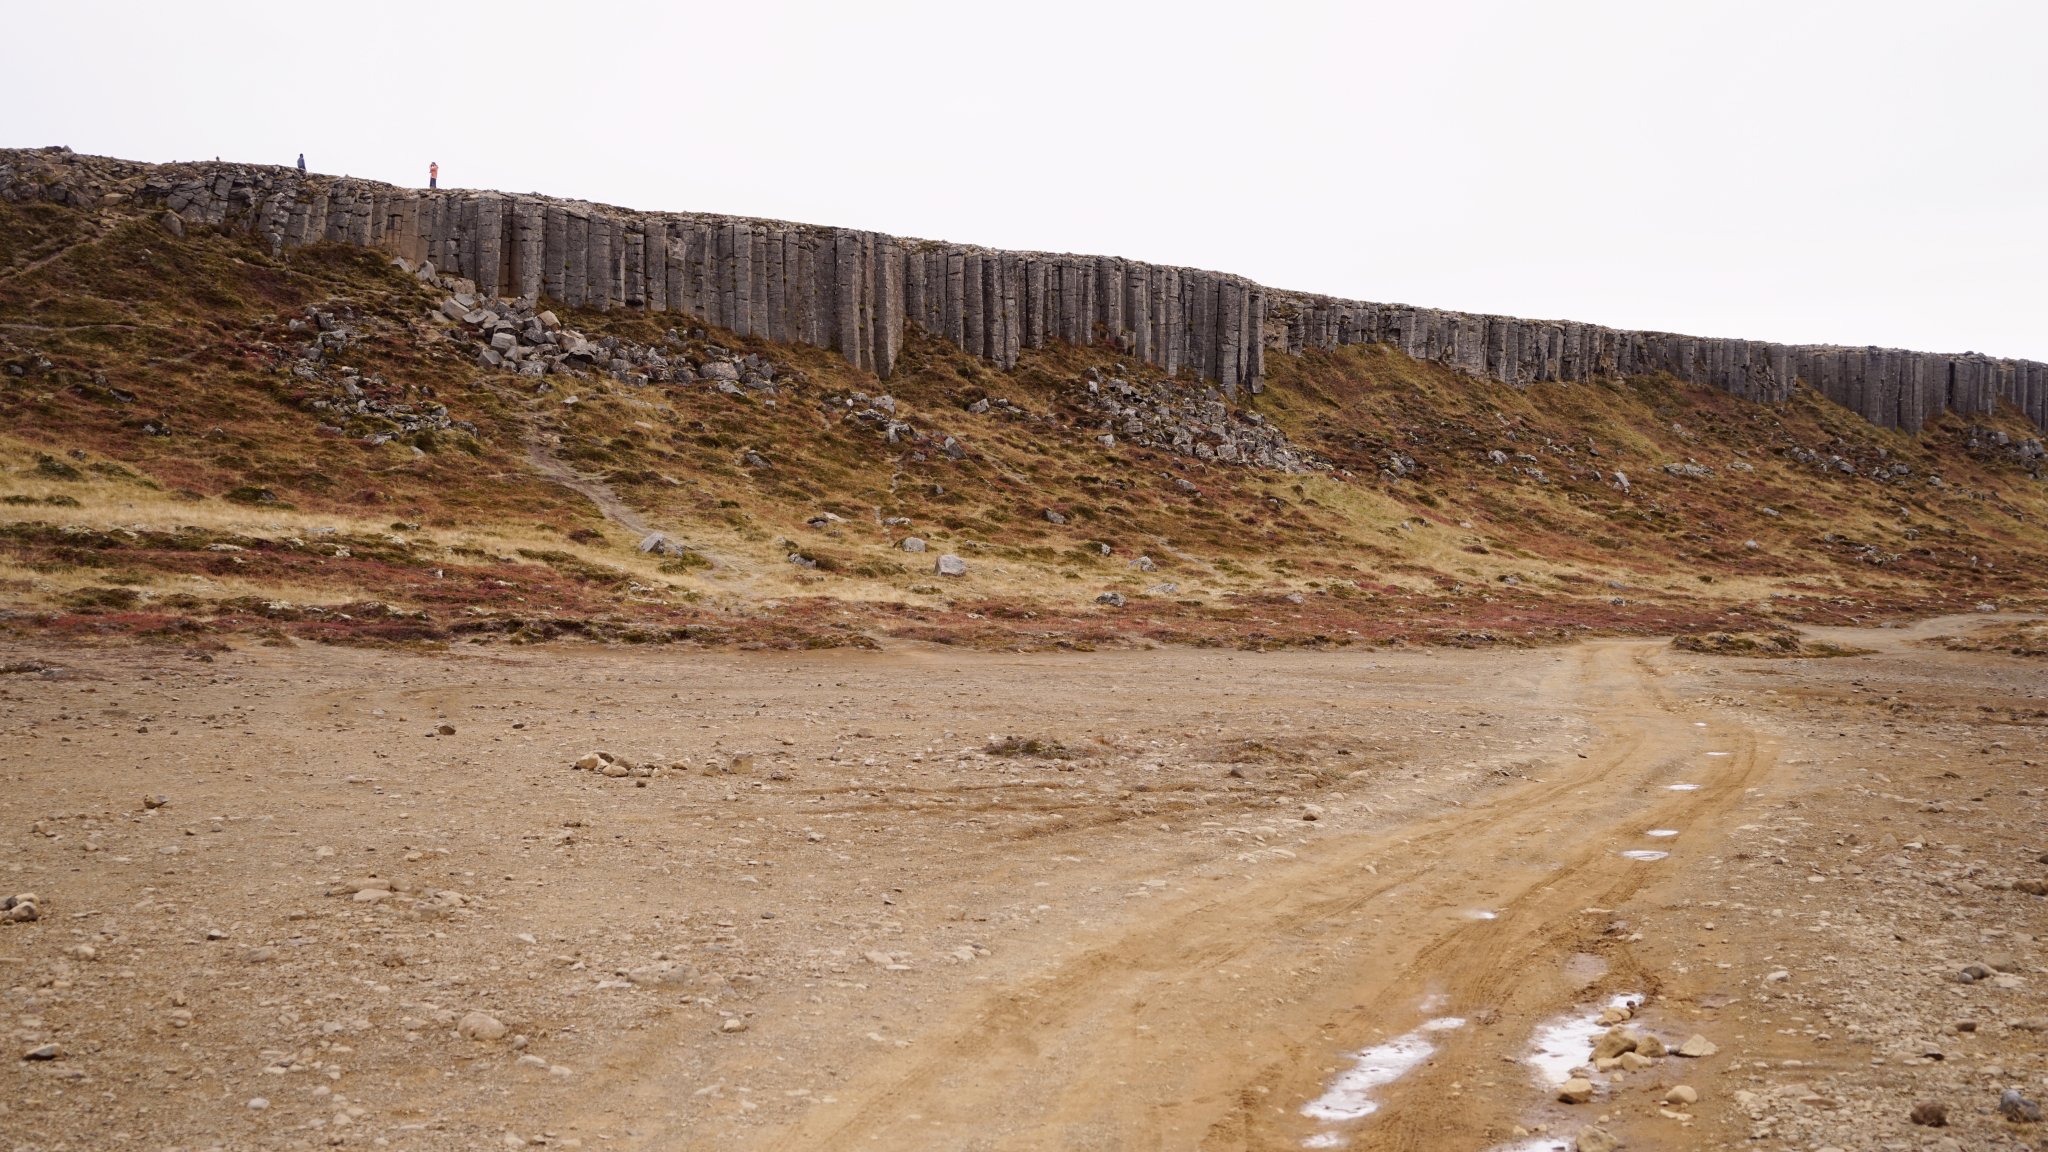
1644	854
1560	1045
1720	753
1536	1144
1325	1140
1683	787
1698	724
1349	1096
1584	969
1662	832
1481	914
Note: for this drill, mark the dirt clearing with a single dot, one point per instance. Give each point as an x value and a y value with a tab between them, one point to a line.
303	897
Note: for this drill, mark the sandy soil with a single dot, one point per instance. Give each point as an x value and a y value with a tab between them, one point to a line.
826	916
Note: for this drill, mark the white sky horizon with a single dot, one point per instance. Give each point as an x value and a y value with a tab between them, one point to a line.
1798	172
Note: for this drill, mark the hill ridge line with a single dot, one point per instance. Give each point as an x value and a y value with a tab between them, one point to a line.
856	291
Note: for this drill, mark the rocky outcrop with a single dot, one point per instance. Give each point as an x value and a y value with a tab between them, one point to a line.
857	291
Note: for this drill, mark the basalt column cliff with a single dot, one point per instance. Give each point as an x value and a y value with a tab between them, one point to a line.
856	291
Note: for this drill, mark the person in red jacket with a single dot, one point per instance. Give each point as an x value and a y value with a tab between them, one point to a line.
434	174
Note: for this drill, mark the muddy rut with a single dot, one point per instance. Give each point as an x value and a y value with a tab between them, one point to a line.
1144	1041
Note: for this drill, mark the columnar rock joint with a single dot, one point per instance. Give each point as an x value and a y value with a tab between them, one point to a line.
857	292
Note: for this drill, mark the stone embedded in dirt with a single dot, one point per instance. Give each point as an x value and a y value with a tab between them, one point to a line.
1576	1090
1634	1062
258	1104
734	1024
2018	1108
1929	1114
1614	1042
2001	962
1312	811
262	955
1613	1016
481	1026
44	1052
949	565
879	959
1596	1140
371	895
446	729
155	801
1697	1046
1682	1094
662	974
1649	1045
21	908
530	1062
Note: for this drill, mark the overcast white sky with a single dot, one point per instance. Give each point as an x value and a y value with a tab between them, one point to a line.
1857	173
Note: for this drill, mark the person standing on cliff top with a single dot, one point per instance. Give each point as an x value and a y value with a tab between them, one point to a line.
434	174
302	161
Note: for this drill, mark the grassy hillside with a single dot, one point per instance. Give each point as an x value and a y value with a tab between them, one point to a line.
171	475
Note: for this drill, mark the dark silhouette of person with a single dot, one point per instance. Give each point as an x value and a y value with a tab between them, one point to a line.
302	161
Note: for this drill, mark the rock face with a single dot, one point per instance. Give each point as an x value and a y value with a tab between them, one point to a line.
857	292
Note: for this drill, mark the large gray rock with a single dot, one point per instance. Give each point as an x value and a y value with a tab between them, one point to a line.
717	370
949	565
1144	564
1113	599
911	544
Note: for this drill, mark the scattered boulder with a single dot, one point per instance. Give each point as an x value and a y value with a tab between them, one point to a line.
1697	1046
1113	599
1596	1140
1614	1042
1650	1046
1929	1114
911	544
1682	1094
949	565
1576	1090
2018	1108
481	1026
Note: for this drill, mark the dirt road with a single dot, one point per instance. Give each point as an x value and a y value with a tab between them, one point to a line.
921	899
